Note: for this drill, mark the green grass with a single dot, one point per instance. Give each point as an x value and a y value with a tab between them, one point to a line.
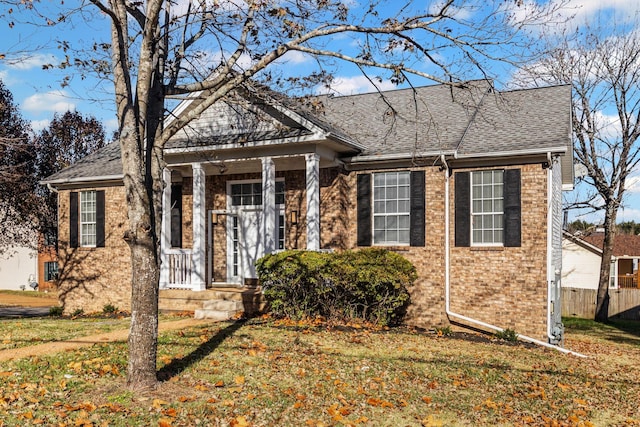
264	373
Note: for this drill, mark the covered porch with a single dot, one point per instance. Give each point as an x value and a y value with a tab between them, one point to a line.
236	213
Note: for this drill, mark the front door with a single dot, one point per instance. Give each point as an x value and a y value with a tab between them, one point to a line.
244	228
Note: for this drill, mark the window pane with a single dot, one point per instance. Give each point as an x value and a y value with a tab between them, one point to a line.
403	178
392	193
403	236
378	222
403	222
391	179
392	222
391	206
403	206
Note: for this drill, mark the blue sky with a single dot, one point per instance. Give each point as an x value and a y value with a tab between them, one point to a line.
39	94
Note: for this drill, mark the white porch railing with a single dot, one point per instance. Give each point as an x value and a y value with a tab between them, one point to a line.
180	267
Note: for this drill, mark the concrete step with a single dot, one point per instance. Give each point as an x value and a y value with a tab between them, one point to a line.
223	305
248	300
202	313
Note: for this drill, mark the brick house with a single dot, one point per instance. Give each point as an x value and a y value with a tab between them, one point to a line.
464	182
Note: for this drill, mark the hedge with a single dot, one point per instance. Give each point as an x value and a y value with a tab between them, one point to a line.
369	284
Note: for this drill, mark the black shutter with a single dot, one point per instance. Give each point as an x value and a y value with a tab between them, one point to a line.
100	216
364	210
73	219
463	209
417	213
512	208
176	216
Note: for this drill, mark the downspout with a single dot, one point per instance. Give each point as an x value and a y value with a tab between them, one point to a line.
447	277
550	270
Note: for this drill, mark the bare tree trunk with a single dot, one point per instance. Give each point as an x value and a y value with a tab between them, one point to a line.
602	299
143	335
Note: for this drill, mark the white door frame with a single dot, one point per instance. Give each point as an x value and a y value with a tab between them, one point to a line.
236	212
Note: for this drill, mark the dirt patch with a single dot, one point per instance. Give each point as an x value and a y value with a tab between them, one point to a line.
24	300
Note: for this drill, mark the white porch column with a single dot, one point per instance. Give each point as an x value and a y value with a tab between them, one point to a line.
165	229
199	259
268	205
313	201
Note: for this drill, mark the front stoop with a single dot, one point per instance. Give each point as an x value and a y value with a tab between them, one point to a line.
219	309
218	303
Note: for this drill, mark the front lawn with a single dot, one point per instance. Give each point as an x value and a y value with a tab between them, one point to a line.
267	373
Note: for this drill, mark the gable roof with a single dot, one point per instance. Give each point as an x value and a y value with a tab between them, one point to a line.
471	121
624	245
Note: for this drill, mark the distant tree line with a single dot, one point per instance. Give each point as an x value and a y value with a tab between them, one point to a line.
26	157
582	226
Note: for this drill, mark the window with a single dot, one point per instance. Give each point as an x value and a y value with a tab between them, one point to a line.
250	194
88	218
487	207
51	237
391	208
50	271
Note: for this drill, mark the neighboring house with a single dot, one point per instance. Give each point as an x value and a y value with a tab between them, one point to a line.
48	261
582	259
18	269
464	182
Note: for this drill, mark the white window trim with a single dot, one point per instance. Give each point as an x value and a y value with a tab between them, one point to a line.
385	214
81	223
473	215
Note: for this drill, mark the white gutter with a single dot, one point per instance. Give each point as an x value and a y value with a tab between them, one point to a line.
85	179
511	153
447	278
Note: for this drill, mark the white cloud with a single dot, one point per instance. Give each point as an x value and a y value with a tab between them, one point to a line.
460	13
632	184
38	125
110	126
57	101
586	10
180	7
28	62
294	57
354	85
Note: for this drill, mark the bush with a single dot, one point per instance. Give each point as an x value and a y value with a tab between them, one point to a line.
507	335
56	311
109	309
370	284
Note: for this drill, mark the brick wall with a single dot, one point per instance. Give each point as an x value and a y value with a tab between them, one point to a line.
501	286
93	277
507	287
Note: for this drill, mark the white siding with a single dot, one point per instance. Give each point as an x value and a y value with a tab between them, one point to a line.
580	266
226	119
16	266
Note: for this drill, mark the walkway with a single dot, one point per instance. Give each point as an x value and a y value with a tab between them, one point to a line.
114	336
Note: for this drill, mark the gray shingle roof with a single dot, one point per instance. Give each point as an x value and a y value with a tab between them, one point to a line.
429	119
473	121
102	163
520	120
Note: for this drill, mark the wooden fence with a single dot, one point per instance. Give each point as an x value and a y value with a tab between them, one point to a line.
623	303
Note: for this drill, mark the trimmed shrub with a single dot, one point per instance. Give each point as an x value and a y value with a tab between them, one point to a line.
369	284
